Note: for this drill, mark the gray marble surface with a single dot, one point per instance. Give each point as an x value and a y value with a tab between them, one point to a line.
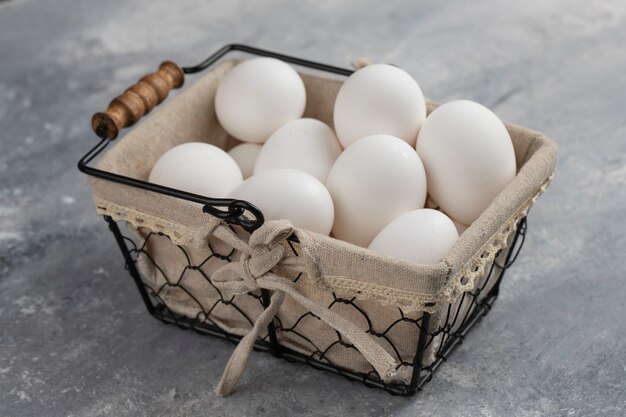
74	337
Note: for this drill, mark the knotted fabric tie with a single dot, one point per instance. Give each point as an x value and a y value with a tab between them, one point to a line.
266	250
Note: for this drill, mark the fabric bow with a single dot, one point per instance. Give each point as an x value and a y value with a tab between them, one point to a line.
264	251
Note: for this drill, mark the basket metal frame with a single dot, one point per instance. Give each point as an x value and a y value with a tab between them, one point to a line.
421	374
232	211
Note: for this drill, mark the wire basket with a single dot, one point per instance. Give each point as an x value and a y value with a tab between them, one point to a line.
459	318
286	336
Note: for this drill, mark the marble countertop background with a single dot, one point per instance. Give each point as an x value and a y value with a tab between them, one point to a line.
75	339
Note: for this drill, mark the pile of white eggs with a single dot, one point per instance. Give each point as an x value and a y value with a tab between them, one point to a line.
366	181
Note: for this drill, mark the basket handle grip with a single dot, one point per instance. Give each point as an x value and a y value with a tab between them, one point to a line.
130	106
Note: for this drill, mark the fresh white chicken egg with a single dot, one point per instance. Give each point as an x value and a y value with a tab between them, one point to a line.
379	99
460	227
292	195
374	181
198	168
307	145
468	156
422	236
246	154
257	97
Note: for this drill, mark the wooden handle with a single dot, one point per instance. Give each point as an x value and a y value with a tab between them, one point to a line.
127	108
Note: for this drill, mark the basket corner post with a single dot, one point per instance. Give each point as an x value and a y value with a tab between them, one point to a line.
418	361
130	265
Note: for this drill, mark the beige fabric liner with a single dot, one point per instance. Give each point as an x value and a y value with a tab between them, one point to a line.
382	284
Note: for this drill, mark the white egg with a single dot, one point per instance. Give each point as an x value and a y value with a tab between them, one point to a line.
460	227
468	156
246	154
307	145
423	236
198	168
379	99
257	97
292	195
375	180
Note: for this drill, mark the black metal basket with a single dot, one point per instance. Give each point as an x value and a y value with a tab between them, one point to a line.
459	318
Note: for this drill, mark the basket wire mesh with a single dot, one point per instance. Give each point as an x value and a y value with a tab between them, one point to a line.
458	319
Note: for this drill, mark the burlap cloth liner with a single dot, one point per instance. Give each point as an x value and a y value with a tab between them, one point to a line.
329	265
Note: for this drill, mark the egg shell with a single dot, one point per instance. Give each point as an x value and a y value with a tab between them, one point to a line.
468	156
379	99
257	97
375	180
292	195
245	155
198	168
422	236
307	145
460	227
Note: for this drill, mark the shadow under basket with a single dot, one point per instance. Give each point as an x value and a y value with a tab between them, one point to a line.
185	252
